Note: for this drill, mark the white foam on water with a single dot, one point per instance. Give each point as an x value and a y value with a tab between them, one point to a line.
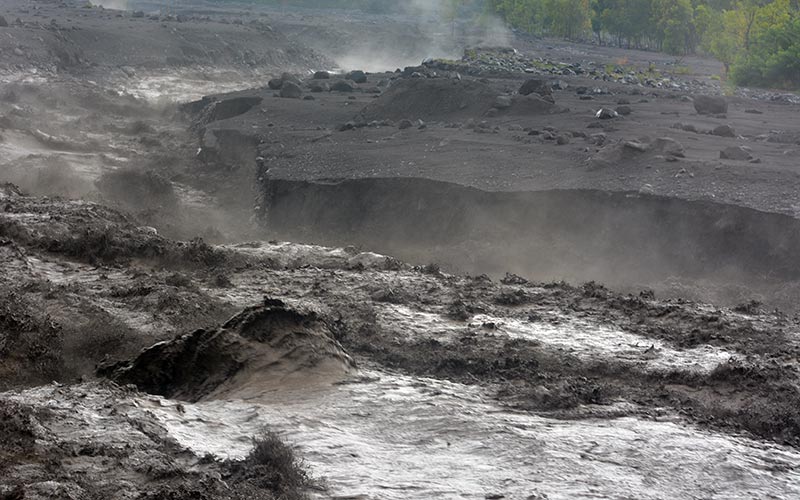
396	437
578	337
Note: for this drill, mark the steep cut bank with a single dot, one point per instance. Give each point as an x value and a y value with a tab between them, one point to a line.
625	239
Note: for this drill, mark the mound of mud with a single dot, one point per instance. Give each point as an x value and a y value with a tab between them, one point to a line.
53	447
263	348
432	98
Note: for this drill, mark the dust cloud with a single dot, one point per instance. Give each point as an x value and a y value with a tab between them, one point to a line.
433	30
112	4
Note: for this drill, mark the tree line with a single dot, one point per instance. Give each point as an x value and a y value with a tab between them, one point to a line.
757	41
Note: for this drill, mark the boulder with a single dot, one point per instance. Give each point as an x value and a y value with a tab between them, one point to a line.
291	90
624	110
724	131
606	114
275	84
535	86
404	124
710	105
357	76
3	22
319	86
736	153
343	86
322	75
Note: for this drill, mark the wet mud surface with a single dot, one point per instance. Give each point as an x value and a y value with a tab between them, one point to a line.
425	283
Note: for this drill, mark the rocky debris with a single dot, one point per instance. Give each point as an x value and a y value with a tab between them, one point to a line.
636	150
737	153
724	131
291	90
710	105
317	86
624	110
277	83
562	139
272	345
321	75
343	86
535	85
606	114
405	124
357	76
686	127
3	22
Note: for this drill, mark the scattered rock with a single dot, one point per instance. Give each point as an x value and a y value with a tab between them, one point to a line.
535	86
687	127
606	114
343	86
322	75
724	131
319	86
754	111
737	153
710	105
624	110
291	90
357	76
3	22
275	84
404	124
562	139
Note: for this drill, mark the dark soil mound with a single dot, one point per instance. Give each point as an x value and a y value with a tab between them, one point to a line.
262	348
432	98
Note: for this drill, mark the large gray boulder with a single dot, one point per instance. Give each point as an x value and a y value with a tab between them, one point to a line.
343	86
291	90
535	86
357	76
710	105
736	153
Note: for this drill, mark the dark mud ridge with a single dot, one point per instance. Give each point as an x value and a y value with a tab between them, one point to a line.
624	239
266	346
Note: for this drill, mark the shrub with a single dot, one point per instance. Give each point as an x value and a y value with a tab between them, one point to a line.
273	465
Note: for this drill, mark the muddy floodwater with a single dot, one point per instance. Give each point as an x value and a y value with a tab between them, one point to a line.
394	437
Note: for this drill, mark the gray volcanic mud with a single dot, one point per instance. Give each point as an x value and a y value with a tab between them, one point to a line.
139	361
